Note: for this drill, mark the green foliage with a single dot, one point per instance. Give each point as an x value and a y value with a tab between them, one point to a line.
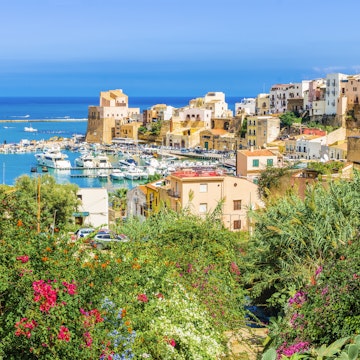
292	237
170	292
38	200
142	129
289	118
156	128
326	168
270	179
118	198
329	308
243	129
346	348
316	125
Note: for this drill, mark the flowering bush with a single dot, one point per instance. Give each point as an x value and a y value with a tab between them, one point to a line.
326	309
181	329
167	297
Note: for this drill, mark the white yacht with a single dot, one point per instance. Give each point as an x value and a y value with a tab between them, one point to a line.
102	161
30	129
133	173
117	174
85	161
53	158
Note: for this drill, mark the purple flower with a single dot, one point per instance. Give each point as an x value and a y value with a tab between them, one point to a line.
318	271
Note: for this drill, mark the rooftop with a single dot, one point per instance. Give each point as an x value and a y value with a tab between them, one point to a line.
191	173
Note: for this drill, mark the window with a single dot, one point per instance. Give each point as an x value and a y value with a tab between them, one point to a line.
256	163
237	224
203	208
269	162
203	188
237	204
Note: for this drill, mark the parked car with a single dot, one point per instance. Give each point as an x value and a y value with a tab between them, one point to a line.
81	233
104	240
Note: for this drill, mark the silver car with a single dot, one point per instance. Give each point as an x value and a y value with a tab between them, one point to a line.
104	240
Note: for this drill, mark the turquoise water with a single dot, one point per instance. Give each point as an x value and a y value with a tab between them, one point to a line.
60	117
15	165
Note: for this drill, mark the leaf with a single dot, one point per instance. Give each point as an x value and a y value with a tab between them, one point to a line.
353	352
333	348
269	354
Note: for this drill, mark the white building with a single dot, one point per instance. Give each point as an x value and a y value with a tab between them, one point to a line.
196	114
215	101
278	98
94	208
333	88
246	105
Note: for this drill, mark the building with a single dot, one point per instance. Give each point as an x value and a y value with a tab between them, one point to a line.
215	101
246	105
249	163
201	192
333	90
262	130
218	139
94	208
314	98
262	104
128	130
278	98
101	119
136	202
159	112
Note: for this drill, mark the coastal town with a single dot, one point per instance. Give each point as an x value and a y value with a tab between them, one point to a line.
209	151
248	140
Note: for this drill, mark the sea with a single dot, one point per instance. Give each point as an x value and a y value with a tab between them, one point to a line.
63	117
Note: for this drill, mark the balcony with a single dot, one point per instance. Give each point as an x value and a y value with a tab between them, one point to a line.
174	194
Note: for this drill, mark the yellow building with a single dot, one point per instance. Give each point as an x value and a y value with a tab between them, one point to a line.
127	131
218	139
202	191
113	107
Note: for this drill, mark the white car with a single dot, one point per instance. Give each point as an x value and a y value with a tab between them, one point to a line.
81	233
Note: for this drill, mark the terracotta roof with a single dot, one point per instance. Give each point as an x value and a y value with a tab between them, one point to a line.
197	174
142	188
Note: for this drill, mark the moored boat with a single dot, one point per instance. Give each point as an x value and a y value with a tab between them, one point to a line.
117	174
53	158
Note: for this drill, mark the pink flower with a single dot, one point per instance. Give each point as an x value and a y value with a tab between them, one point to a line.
70	288
64	334
44	292
318	271
24	327
171	342
23	258
143	298
88	339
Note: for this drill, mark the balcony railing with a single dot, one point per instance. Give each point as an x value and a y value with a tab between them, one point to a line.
174	194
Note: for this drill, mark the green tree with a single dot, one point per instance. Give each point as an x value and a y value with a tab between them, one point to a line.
271	179
289	118
118	199
35	201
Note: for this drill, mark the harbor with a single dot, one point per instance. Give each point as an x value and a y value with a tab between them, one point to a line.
23	159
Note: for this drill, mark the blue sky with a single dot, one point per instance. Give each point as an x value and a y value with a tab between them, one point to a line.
172	47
